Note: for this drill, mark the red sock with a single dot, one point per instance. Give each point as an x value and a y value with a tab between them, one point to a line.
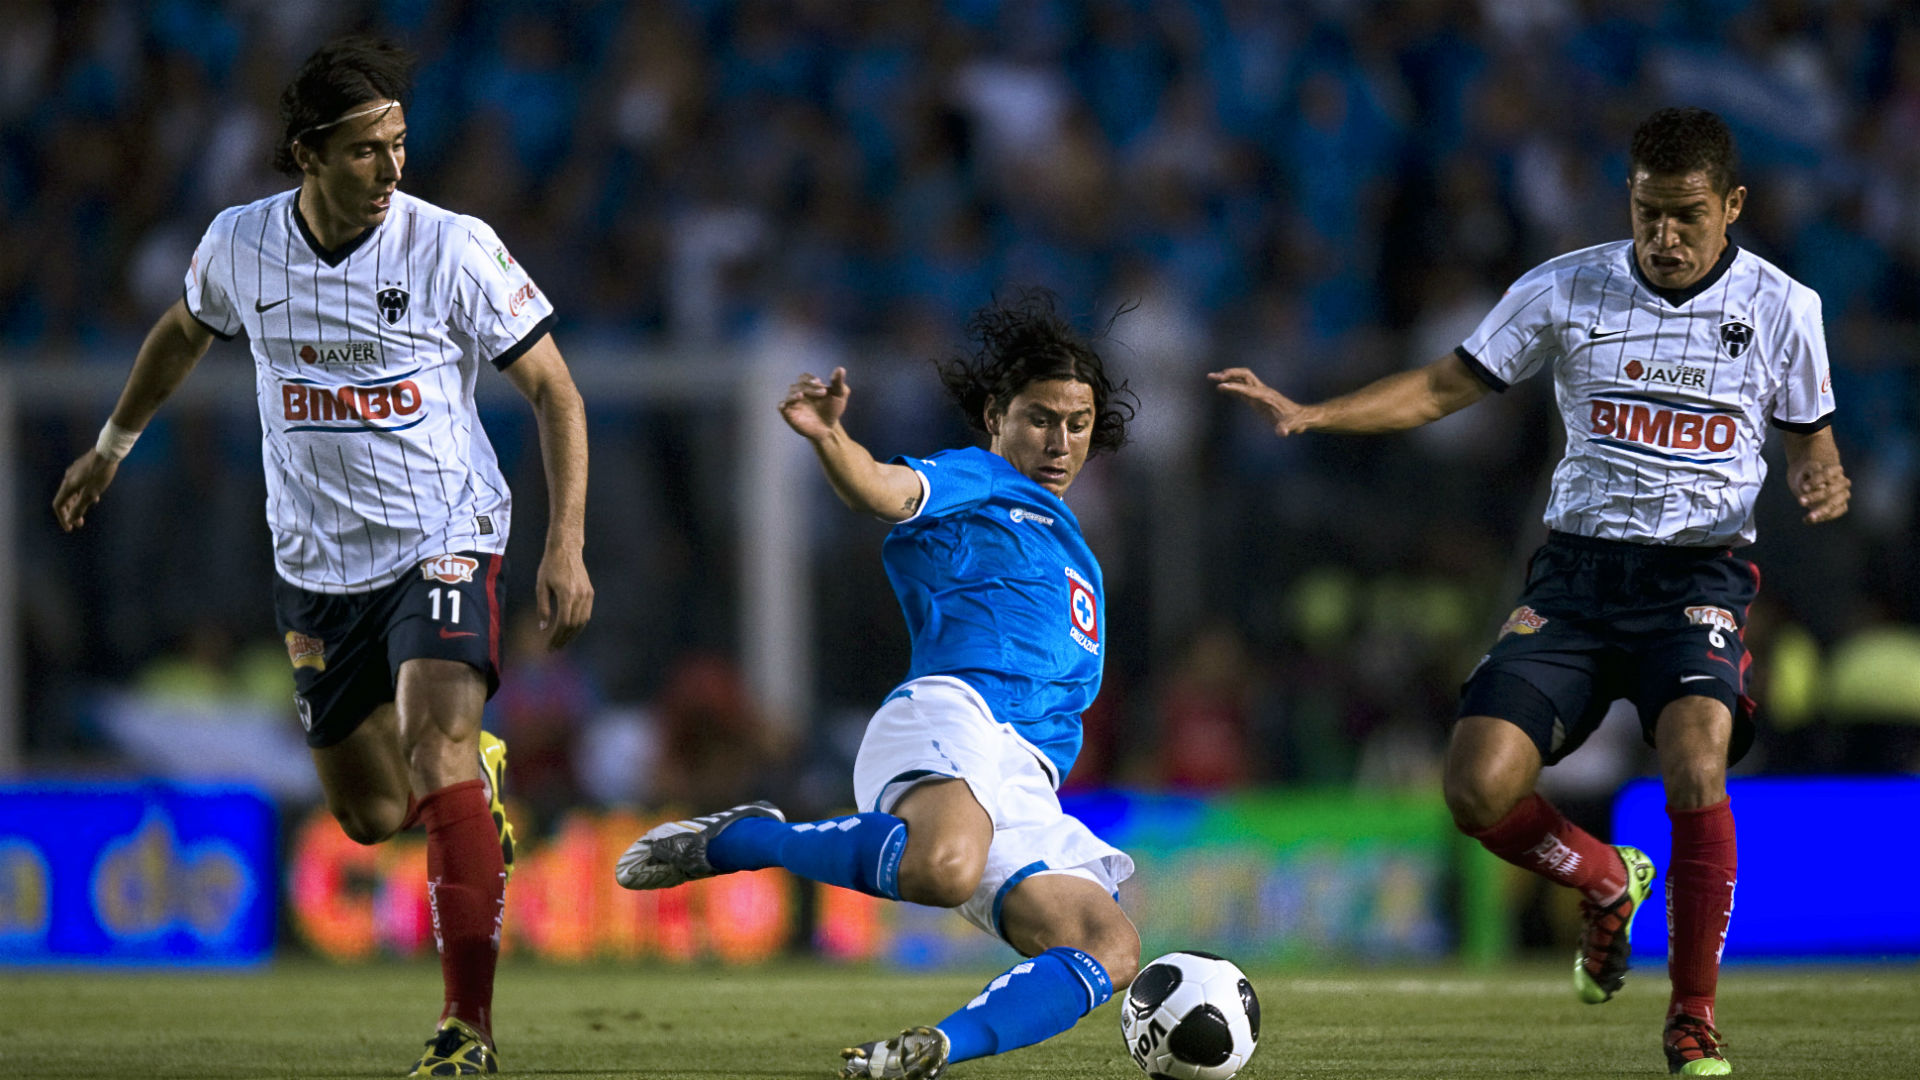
467	888
1700	881
1537	837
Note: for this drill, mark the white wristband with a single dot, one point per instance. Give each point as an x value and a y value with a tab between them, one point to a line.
115	441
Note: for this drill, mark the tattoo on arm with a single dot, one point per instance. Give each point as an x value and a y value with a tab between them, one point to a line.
912	505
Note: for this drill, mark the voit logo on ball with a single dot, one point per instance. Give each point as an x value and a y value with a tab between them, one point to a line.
1191	1015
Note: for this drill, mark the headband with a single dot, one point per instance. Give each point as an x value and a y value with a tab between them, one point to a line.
368	111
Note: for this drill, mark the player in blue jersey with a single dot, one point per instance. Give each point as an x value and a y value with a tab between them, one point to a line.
955	779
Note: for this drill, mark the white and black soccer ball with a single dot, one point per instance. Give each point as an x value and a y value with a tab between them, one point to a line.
1190	1016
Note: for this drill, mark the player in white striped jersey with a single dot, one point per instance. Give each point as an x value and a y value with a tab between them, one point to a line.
1671	354
370	315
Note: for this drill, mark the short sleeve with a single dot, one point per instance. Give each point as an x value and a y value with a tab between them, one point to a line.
953	480
1513	341
495	302
1804	401
209	286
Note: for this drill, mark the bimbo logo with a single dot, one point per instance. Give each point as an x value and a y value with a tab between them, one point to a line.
305	401
452	569
1650	425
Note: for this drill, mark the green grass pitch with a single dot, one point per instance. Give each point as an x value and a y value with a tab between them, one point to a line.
306	1019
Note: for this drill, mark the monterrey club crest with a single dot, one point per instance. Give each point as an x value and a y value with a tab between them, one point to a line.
393	305
1083	611
1736	337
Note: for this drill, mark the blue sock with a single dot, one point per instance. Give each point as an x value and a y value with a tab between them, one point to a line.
860	852
1035	999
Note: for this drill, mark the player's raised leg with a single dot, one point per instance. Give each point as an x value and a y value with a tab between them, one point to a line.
931	850
862	852
1692	737
1491	768
440	703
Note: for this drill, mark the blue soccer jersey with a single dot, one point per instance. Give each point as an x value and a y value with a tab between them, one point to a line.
1001	591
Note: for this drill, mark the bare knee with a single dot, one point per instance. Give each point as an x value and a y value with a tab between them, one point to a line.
436	761
1696	781
1692	736
940	873
1476	803
369	821
1491	766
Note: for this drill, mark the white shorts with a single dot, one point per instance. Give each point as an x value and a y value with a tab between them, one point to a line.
938	727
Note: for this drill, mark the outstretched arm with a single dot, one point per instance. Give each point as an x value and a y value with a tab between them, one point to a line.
172	348
1815	477
563	595
1395	403
813	408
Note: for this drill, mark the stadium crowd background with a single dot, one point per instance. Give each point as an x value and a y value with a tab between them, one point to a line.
1323	191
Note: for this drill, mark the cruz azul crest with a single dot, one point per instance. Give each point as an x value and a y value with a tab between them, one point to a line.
1083	611
393	305
1736	337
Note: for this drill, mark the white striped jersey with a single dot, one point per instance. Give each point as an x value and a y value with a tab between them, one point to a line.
365	360
1665	394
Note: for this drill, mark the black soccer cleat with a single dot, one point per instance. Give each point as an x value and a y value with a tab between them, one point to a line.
676	853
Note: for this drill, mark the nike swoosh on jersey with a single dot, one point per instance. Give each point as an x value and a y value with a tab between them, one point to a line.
446	633
1594	333
258	306
1684	679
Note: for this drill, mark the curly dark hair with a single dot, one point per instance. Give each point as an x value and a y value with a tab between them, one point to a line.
1678	141
342	73
1022	339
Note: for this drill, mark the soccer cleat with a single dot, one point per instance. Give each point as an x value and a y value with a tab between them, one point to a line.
918	1053
1600	966
456	1049
1694	1048
493	769
676	853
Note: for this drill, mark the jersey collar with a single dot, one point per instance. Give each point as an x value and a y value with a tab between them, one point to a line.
1677	297
337	255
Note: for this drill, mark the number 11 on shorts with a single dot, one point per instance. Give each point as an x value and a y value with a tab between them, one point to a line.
453	604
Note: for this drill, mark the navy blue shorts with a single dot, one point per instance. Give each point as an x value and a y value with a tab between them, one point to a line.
347	649
1602	620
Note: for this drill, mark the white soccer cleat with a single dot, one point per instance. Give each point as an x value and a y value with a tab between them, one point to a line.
918	1053
676	853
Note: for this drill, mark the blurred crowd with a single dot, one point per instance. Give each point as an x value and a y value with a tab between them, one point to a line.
1322	190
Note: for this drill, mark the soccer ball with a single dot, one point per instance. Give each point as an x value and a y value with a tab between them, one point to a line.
1190	1016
